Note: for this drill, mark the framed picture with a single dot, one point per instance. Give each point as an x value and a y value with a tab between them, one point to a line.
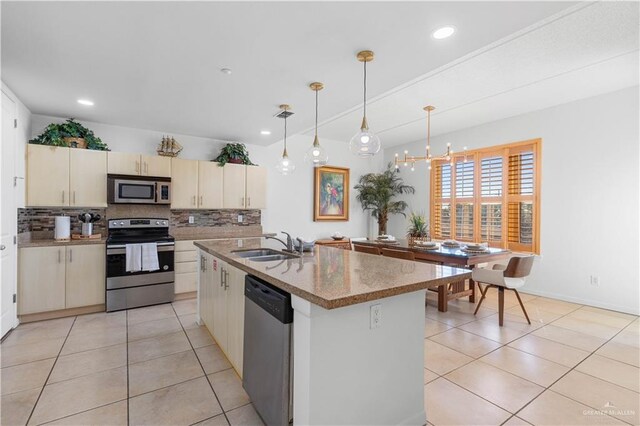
331	194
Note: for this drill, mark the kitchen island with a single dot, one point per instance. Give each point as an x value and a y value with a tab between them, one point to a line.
349	367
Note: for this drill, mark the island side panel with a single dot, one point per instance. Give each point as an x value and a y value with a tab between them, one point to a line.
348	373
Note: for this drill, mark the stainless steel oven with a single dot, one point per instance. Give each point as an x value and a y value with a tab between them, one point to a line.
124	189
126	290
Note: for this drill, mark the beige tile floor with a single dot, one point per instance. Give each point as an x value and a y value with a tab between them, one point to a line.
152	366
574	365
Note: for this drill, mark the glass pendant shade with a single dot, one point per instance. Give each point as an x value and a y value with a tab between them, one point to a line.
316	155
284	165
365	143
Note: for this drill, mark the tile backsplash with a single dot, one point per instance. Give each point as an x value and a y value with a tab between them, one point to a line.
180	218
34	219
38	219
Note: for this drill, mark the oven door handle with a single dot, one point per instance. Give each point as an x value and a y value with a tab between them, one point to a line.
121	249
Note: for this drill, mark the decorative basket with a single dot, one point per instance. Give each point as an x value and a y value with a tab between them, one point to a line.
413	240
76	142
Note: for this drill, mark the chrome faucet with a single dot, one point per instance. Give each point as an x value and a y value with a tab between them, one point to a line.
288	244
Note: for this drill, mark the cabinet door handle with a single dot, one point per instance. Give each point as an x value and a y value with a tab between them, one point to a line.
242	202
226	279
201	201
59	256
70	255
221	277
193	201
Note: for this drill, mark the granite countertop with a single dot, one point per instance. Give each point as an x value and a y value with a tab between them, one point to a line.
200	236
25	241
331	277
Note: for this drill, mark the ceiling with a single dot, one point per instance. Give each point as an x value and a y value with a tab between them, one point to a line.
156	65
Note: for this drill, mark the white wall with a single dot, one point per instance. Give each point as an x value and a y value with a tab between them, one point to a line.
289	198
589	199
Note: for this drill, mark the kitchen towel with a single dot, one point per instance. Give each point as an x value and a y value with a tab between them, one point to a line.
150	257
133	257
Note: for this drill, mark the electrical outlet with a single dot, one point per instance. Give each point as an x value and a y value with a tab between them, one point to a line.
240	218
595	280
240	243
192	220
375	320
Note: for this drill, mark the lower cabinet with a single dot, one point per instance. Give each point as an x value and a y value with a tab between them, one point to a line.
186	267
221	295
59	277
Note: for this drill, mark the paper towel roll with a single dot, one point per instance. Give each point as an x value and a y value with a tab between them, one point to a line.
63	228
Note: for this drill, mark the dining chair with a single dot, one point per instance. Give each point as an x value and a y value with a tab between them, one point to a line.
356	239
399	254
511	277
366	249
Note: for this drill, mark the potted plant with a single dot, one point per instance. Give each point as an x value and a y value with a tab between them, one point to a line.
71	134
376	191
418	228
235	153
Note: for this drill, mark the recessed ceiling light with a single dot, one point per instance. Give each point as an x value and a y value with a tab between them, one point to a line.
443	32
226	71
265	132
85	102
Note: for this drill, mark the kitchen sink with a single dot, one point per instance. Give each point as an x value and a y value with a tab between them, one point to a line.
272	257
255	252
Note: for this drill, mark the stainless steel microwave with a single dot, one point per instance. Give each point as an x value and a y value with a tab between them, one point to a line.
124	189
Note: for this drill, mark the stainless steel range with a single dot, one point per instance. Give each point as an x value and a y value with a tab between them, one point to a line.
129	287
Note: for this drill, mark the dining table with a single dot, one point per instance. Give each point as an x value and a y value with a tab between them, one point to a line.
447	256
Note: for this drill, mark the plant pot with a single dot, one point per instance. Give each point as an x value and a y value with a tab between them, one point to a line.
76	143
235	161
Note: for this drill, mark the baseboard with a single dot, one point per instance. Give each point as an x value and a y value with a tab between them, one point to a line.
187	295
588	302
41	316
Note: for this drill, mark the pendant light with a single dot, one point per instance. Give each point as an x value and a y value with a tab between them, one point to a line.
411	159
316	155
365	143
284	165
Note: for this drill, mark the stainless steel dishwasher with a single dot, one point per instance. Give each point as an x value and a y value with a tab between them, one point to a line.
267	368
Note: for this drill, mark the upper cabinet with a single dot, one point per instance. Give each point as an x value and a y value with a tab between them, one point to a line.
196	184
244	187
61	177
124	163
235	177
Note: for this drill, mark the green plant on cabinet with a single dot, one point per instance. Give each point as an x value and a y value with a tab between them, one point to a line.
55	133
235	153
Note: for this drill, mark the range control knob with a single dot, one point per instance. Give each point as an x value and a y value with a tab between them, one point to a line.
164	222
114	223
157	222
121	223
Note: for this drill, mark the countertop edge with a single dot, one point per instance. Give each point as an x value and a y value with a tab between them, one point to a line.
334	303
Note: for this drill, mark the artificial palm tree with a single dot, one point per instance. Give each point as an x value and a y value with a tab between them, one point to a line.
376	192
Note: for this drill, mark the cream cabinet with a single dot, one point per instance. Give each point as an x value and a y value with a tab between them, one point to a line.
186	267
256	187
41	279
244	187
85	275
59	277
87	178
184	184
196	184
221	305
125	163
61	177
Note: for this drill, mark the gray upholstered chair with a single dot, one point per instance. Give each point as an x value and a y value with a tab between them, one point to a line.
511	277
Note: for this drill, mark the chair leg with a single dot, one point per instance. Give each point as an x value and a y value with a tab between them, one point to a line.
522	306
501	305
484	294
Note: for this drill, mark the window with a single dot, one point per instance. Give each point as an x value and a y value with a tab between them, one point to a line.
489	195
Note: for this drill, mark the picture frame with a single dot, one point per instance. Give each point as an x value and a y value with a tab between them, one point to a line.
331	194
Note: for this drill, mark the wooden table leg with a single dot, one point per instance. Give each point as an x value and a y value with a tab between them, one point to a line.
472	287
442	298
